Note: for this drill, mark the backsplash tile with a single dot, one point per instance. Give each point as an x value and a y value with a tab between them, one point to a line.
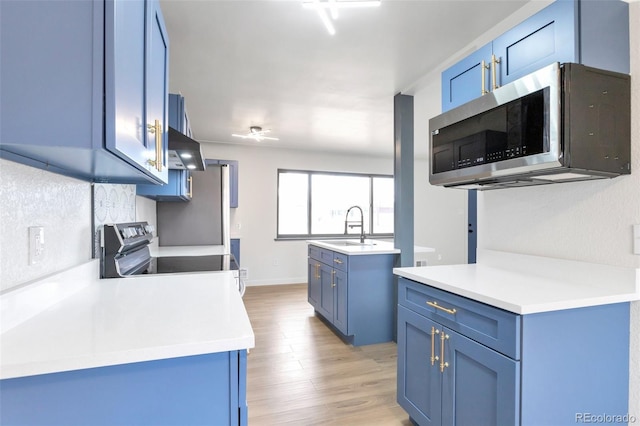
34	197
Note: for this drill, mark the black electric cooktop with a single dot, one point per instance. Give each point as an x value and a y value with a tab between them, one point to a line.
176	264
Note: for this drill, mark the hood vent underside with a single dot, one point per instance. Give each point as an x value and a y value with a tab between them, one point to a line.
184	152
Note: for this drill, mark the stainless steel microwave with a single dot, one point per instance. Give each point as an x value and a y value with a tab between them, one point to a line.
561	123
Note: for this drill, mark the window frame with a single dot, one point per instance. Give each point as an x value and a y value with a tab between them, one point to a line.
308	235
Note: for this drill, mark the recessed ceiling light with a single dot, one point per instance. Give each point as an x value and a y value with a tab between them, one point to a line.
185	155
191	166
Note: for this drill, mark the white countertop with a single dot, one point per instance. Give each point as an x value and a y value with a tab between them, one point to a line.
352	247
118	321
531	284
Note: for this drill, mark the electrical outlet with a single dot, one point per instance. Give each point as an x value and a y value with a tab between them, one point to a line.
243	273
36	244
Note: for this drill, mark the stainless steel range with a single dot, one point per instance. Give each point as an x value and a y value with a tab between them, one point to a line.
125	253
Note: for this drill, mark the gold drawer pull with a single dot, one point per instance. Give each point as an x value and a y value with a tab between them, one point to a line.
494	65
483	67
190	193
435	305
336	260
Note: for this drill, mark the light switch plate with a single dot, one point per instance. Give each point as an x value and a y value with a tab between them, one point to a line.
36	244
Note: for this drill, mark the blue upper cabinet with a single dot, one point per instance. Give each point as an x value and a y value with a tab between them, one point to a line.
594	33
178	117
467	79
89	100
180	186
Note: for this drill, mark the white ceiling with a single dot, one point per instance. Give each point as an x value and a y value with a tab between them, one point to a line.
273	64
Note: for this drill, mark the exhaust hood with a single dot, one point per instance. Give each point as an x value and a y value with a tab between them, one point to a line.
184	152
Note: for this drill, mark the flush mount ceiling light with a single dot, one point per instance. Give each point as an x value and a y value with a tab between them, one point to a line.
256	133
321	6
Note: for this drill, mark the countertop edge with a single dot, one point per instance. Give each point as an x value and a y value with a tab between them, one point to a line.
627	290
50	297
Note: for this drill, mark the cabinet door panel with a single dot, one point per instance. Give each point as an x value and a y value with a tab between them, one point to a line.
340	301
546	37
326	292
419	382
480	386
126	132
462	82
157	87
314	290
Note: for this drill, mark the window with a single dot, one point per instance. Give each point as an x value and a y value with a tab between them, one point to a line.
315	204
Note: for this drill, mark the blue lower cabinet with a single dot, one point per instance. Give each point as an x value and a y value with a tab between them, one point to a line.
179	188
196	390
463	362
354	294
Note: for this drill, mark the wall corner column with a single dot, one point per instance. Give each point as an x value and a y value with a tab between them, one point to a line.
403	178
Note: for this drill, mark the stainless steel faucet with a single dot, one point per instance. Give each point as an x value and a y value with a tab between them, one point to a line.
348	224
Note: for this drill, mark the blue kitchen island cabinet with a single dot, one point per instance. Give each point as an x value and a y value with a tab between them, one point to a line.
354	294
85	88
462	362
205	389
591	32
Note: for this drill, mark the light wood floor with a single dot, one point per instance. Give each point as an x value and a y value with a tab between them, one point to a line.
301	373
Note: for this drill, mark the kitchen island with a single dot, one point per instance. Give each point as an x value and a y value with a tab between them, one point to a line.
351	287
158	349
515	340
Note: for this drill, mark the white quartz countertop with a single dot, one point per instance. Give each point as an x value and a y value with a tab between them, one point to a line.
106	322
531	284
353	247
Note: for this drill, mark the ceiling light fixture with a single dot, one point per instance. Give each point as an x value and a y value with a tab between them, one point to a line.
321	7
256	133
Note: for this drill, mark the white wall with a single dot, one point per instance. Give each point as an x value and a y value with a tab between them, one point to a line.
284	262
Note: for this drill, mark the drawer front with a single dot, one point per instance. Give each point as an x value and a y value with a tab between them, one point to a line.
340	261
315	253
335	260
491	326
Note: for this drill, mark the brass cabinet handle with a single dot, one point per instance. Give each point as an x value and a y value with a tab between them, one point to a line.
443	364
494	65
483	67
190	193
317	271
156	129
336	260
451	311
333	274
434	358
